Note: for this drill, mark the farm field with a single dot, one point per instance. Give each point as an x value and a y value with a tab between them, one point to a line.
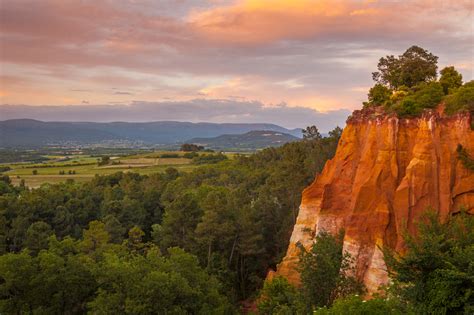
82	168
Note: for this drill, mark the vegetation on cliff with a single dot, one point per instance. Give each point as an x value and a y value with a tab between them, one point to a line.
326	275
408	84
434	276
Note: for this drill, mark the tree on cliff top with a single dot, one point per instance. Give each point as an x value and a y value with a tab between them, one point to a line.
416	65
450	79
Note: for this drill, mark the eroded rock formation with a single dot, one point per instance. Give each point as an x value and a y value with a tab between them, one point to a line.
386	172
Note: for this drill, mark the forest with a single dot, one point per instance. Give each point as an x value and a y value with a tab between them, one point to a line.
197	242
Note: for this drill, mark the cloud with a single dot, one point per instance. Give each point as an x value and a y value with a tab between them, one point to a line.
267	21
197	110
312	53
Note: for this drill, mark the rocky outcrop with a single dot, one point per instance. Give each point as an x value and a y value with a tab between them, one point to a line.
386	172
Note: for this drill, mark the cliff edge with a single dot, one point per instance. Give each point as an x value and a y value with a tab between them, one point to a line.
386	172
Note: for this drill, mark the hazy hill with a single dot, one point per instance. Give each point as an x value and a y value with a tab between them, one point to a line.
250	140
32	133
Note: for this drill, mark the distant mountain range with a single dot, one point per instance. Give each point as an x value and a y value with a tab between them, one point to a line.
34	133
248	141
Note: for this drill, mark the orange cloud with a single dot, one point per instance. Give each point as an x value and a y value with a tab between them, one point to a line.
264	21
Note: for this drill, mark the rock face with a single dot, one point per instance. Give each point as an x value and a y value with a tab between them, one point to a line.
386	172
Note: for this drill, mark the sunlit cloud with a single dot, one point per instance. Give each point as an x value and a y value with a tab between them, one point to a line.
316	54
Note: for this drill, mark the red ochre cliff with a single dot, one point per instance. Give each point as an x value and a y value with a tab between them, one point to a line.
386	172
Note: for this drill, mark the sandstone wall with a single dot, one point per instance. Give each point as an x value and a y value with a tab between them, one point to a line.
386	172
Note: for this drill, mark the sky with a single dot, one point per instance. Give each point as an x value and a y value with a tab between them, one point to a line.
291	62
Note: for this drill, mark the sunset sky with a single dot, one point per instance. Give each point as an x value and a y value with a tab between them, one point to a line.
288	62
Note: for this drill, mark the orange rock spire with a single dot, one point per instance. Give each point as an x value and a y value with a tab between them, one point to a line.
386	172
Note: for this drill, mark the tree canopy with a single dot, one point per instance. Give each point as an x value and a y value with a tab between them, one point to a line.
414	66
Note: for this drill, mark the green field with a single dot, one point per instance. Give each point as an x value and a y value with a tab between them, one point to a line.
82	168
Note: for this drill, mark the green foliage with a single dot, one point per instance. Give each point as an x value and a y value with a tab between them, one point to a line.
461	99
209	158
407	85
64	280
4	169
355	305
236	217
465	158
133	284
413	102
37	236
169	155
325	271
378	95
436	275
279	297
450	79
414	66
311	133
104	160
190	147
190	155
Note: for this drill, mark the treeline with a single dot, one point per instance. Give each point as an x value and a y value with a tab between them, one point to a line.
234	217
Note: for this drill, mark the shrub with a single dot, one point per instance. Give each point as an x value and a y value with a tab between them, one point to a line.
190	147
209	158
428	95
190	155
279	297
4	169
450	79
464	157
355	305
169	155
379	95
412	102
461	99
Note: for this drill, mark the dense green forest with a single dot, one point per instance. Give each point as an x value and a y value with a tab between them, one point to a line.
197	242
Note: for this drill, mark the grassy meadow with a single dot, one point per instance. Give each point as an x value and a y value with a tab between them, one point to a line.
83	167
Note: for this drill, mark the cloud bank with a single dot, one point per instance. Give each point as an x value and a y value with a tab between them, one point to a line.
198	110
317	54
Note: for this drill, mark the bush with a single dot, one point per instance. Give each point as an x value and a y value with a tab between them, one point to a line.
209	158
379	95
450	79
279	297
428	95
355	305
4	169
190	147
461	100
104	160
169	155
190	155
414	101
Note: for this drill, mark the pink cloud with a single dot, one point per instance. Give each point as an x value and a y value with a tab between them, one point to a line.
303	52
